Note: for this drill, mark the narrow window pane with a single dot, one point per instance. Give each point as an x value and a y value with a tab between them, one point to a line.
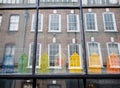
14	23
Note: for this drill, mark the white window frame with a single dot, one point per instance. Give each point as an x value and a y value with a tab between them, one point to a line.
33	26
77	23
70	56
54	67
12	49
16	24
99	51
0	20
113	43
30	45
95	21
114	21
50	20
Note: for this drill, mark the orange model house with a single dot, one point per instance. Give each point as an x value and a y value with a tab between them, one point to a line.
113	64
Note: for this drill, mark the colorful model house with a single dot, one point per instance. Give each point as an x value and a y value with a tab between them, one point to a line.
113	64
75	65
8	64
44	68
23	64
94	64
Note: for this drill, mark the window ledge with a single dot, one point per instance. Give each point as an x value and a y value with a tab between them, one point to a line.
91	30
110	31
34	31
55	67
73	31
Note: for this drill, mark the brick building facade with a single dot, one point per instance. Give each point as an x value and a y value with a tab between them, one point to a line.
59	41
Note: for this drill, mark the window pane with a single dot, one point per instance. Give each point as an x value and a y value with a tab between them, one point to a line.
14	23
109	22
102	46
15	40
91	24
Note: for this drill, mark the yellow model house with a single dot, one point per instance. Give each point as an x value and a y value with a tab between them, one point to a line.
94	64
75	65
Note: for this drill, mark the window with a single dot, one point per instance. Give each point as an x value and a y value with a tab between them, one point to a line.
94	48
58	0
31	55
54	51
8	59
92	2
0	20
10	1
73	48
91	22
55	23
14	23
72	23
40	22
76	61
106	2
9	50
113	47
31	1
109	21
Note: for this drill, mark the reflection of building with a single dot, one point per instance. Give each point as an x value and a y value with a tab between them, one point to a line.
58	36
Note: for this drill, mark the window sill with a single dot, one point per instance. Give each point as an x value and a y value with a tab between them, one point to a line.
34	31
110	31
91	31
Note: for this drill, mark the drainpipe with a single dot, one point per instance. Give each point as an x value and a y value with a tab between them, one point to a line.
26	15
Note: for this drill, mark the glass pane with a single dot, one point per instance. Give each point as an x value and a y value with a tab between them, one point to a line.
16	51
58	2
103	83
60	49
102	45
12	83
100	2
60	83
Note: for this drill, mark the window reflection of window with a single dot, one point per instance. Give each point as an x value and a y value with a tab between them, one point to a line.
31	1
109	21
14	23
92	2
74	48
94	54
31	54
54	55
72	23
0	20
93	47
9	54
10	1
91	22
74	56
10	50
40	22
54	23
113	48
58	0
